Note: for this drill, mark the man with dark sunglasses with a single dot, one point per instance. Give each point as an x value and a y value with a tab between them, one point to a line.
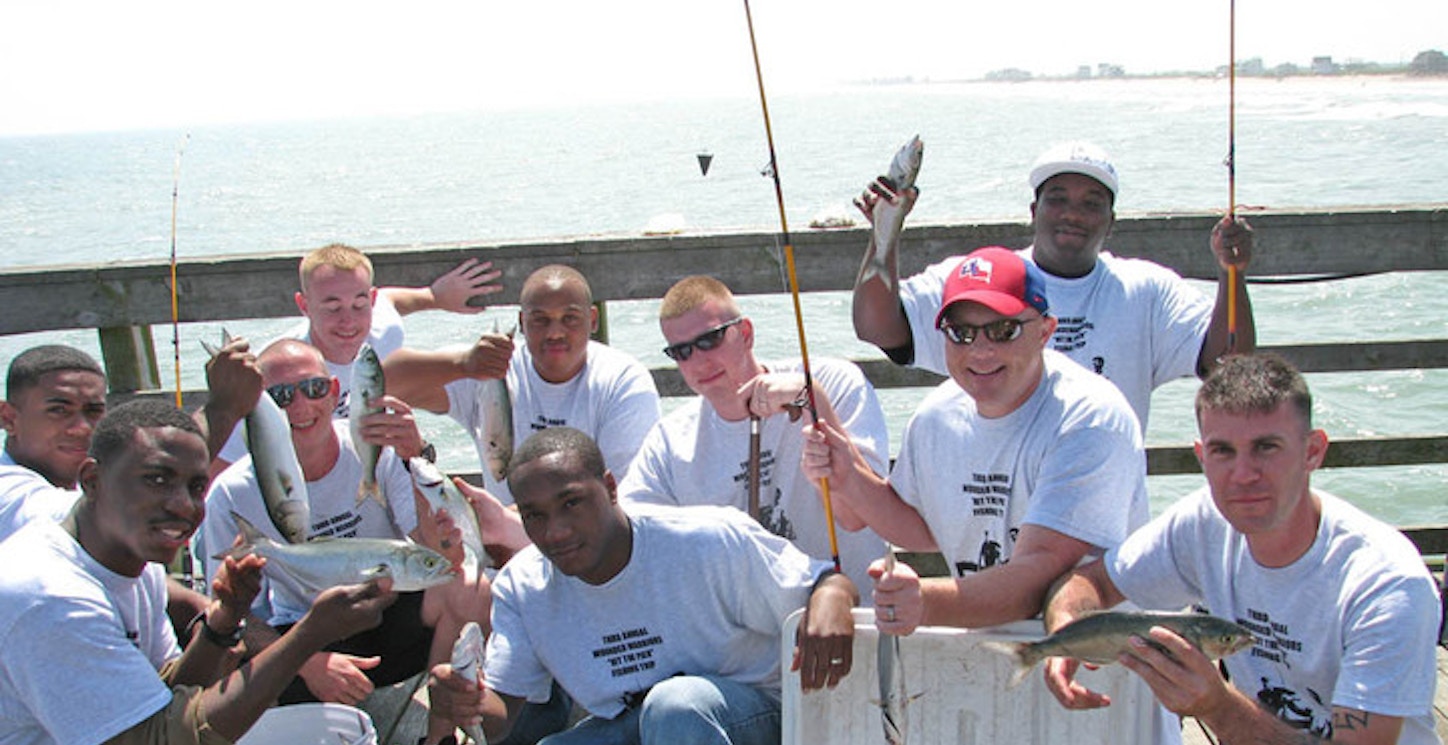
1015	469
420	628
1133	321
700	454
560	377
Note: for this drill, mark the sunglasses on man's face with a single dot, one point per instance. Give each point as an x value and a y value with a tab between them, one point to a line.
703	342
313	388
1002	331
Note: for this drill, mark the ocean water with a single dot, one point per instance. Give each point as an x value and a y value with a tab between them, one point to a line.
611	169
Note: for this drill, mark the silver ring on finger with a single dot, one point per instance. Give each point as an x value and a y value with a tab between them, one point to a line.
890	613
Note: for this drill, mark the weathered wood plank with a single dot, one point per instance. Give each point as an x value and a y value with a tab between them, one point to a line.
1405	238
1345	453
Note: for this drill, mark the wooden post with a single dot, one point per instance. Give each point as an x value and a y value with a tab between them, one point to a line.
129	354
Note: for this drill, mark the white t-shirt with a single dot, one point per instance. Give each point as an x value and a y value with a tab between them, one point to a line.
385	338
612	399
25	495
335	513
706	591
1351	623
81	644
1136	322
1070	459
694	457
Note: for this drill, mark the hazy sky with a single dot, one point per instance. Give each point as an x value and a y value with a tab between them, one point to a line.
100	64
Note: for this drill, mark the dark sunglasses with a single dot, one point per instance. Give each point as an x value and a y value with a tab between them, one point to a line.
1002	331
703	342
313	388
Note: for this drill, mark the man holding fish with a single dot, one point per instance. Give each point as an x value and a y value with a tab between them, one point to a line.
1014	469
419	629
89	654
1135	322
559	378
662	622
1343	608
701	453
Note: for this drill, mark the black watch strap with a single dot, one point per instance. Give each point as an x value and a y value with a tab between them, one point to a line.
225	641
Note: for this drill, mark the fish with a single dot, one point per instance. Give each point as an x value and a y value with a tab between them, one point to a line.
1101	638
328	562
274	458
889	219
893	698
497	408
368	385
467	661
441	494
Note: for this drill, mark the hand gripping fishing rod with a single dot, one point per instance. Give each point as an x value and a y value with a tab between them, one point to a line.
793	281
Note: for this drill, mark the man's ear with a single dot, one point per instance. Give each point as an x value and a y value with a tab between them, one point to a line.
8	414
301	302
89	475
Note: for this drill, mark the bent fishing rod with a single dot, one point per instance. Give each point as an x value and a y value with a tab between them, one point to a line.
809	394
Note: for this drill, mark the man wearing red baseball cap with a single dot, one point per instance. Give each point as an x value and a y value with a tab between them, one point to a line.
1015	469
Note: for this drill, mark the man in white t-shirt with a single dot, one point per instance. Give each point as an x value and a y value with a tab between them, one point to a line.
89	654
1344	610
1015	469
420	628
343	310
704	453
1135	322
662	622
559	378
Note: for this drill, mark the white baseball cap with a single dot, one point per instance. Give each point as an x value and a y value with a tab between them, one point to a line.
1074	157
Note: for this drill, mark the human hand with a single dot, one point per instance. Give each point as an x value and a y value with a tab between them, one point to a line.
1061	682
828	453
236	585
488	357
438	531
899	603
498	526
882	192
342	611
455	290
824	644
454	701
233	379
768	394
393	425
338	678
1184	679
1232	243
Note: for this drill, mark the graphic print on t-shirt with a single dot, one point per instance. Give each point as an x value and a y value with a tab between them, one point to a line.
990	501
1276	644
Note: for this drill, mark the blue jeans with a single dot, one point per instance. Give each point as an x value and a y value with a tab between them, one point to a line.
686	710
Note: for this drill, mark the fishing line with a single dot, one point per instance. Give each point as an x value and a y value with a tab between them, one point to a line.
1232	168
175	296
793	280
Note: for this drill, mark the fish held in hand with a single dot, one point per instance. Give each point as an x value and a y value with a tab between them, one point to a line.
889	219
467	661
328	562
438	490
497	408
368	385
1101	638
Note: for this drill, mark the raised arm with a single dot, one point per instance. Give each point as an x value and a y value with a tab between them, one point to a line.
420	377
453	291
875	305
233	384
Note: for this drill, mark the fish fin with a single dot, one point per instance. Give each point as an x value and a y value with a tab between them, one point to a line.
377	572
250	536
211	350
1018	652
370	490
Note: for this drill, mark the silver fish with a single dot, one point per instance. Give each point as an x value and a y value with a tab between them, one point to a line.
893	697
274	458
329	562
368	385
497	408
888	219
1100	638
467	661
441	494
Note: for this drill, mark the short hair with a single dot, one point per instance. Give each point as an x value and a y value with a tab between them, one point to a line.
285	347
565	440
559	273
692	292
118	427
29	366
1255	384
335	255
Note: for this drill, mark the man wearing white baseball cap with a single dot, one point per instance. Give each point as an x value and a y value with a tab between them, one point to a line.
1133	321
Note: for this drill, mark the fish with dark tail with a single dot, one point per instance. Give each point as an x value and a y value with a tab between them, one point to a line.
1101	638
887	218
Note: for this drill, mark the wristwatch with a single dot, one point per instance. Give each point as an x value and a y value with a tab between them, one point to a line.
225	641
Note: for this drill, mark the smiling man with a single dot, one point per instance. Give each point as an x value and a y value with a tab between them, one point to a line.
89	653
1015	469
1135	322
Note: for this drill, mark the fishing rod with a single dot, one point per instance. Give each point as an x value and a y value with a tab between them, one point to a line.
809	394
1232	168
175	295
